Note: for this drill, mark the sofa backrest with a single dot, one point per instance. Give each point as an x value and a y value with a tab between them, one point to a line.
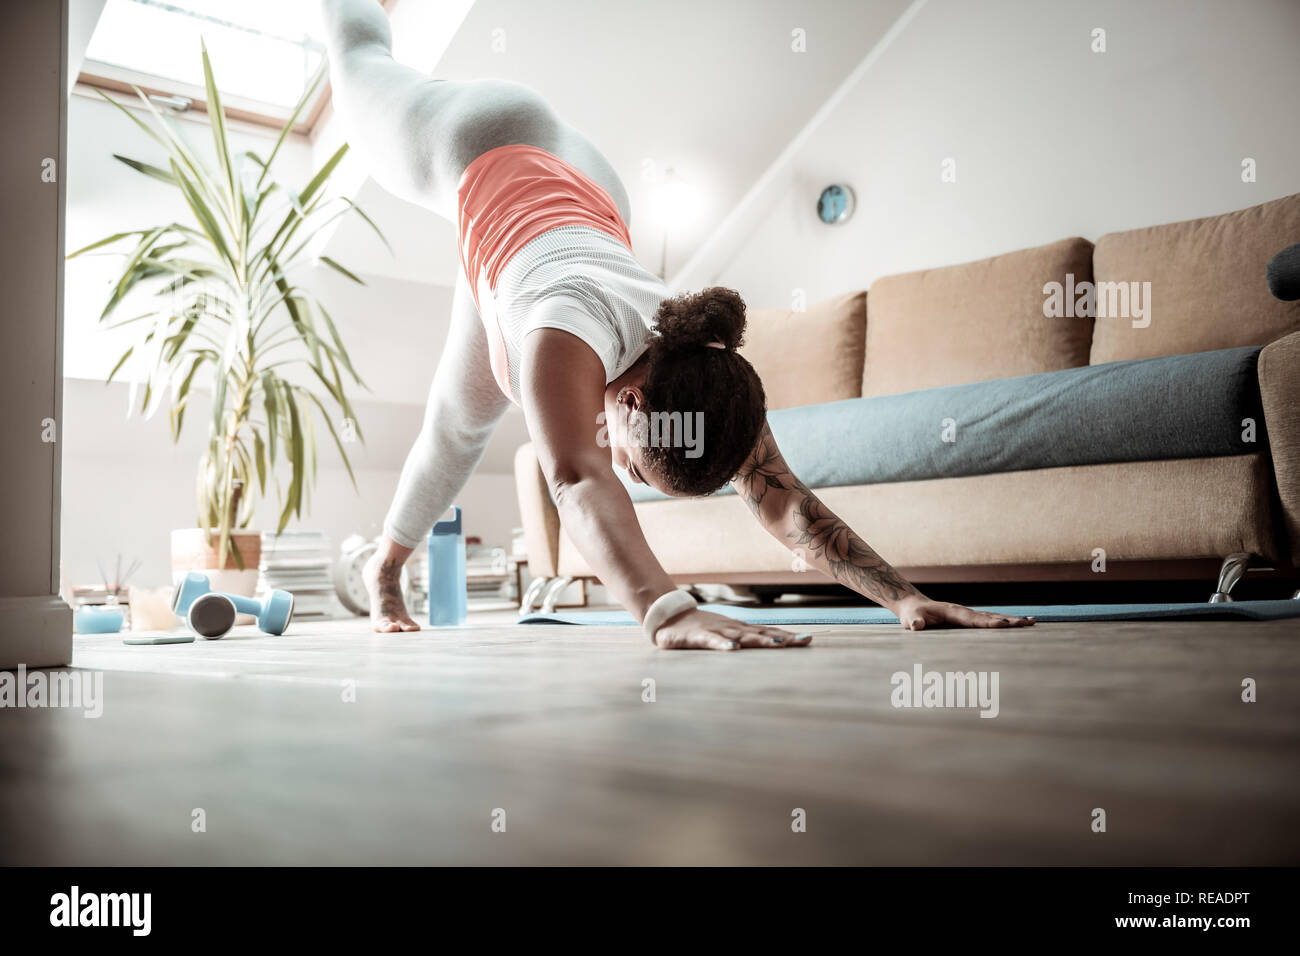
974	322
1207	285
809	357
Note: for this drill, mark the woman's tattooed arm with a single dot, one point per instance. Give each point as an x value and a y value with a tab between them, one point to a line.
796	516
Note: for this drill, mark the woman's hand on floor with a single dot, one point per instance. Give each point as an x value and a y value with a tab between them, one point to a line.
918	612
705	631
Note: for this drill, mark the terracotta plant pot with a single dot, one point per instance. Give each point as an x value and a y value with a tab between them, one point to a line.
191	552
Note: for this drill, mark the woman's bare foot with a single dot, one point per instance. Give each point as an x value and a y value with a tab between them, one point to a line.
383	577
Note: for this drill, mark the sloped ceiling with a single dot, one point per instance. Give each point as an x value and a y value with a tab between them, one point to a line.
709	88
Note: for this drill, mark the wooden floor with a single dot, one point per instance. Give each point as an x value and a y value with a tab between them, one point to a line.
548	724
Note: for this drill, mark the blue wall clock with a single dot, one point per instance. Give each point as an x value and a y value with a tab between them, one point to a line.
835	205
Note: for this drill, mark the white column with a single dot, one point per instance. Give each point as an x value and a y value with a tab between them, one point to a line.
35	624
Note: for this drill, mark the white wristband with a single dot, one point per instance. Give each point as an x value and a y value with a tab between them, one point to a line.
665	608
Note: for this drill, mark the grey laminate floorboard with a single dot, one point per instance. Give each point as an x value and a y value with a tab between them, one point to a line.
547	723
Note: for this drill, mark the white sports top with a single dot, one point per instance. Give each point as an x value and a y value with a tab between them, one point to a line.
614	297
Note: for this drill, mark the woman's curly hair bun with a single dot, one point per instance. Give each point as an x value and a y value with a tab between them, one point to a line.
700	318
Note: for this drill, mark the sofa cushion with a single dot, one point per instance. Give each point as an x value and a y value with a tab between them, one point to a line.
1175	406
1136	511
810	357
1190	507
1208	289
974	322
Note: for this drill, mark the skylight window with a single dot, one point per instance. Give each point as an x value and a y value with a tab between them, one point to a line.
262	52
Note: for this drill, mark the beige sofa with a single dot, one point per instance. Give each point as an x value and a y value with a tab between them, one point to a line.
1153	519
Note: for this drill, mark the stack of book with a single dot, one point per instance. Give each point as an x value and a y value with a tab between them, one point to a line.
299	562
487	573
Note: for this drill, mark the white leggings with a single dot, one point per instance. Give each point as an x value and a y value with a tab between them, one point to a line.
416	135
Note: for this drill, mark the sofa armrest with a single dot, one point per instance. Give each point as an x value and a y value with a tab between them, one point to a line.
538	515
1279	388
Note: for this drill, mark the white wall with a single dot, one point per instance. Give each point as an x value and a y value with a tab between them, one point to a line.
1050	139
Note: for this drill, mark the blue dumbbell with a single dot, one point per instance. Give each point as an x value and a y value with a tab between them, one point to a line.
211	615
211	618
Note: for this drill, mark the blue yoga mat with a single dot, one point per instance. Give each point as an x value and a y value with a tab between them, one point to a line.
1047	613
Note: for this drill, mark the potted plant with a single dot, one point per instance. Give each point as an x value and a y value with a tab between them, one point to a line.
227	311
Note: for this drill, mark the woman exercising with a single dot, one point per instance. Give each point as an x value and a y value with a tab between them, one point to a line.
551	311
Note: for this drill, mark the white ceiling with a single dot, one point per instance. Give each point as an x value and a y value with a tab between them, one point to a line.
709	88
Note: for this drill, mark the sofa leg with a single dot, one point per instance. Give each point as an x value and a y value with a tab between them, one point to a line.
1233	567
553	592
534	591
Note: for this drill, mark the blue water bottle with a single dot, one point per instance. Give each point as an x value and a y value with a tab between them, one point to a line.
447	572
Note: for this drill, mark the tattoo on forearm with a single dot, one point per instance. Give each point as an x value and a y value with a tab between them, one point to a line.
763	470
851	560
